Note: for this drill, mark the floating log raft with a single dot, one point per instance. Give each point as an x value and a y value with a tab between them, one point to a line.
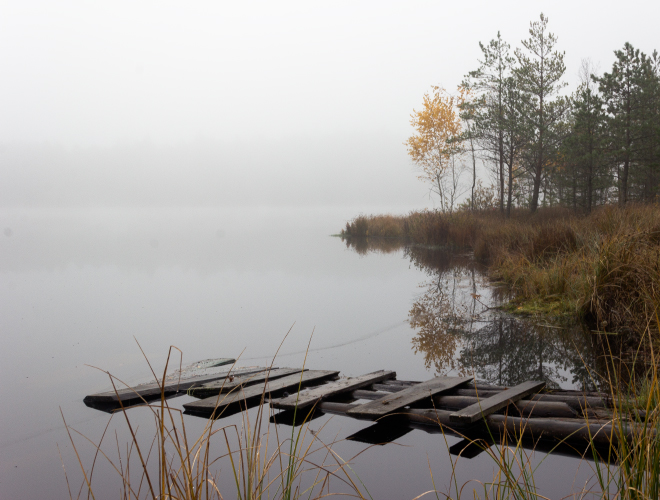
406	397
556	418
457	405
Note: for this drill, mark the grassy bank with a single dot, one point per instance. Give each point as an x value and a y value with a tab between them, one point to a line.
603	268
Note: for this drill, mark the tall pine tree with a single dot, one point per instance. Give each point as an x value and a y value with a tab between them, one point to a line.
626	98
539	76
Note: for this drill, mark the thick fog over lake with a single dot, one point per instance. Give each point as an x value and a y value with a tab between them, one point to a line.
171	172
288	103
337	170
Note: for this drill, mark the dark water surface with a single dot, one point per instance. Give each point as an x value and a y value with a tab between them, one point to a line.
77	286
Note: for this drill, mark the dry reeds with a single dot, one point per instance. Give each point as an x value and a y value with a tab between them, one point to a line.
173	466
604	268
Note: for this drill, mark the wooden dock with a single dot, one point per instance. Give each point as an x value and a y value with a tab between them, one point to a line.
458	405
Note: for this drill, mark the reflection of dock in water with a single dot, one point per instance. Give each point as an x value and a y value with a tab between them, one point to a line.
542	418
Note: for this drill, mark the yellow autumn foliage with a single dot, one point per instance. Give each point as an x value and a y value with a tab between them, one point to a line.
437	133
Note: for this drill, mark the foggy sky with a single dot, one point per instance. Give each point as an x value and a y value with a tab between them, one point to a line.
229	103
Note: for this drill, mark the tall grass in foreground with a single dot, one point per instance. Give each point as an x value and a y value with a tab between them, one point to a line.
629	469
636	408
172	465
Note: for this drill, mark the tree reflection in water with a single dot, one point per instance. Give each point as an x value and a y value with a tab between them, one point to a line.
458	332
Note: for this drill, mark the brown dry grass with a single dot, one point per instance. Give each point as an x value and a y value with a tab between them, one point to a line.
604	268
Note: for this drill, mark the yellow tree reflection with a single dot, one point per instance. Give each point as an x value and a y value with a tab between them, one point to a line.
439	322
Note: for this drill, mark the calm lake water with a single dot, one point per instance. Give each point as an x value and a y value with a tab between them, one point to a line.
79	287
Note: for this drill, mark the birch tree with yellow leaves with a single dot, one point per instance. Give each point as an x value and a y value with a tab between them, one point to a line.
436	147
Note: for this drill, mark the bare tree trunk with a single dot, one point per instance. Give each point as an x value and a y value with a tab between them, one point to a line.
537	187
510	193
501	140
623	190
474	171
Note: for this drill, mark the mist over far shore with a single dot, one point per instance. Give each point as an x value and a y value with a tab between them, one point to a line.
304	171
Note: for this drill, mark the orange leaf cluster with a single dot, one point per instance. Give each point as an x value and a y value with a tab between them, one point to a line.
437	131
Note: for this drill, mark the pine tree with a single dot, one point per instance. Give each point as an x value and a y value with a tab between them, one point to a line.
539	76
626	91
582	150
486	110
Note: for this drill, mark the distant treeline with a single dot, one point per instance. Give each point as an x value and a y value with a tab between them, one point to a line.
598	145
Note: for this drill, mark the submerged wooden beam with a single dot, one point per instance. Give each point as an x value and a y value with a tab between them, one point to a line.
229	384
332	389
398	400
526	407
490	405
215	405
568	430
575	399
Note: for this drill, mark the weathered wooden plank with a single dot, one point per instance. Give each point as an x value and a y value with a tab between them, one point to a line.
229	384
370	395
216	404
389	387
398	400
212	363
151	390
491	404
326	391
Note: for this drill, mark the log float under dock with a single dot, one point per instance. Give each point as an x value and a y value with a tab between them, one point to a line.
459	405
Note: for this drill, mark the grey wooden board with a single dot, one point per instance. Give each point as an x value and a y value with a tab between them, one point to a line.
221	401
398	400
211	363
154	389
491	404
326	391
227	385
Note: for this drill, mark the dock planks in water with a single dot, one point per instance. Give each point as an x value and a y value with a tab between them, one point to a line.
228	385
212	363
410	395
458	405
332	389
496	402
214	405
153	390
